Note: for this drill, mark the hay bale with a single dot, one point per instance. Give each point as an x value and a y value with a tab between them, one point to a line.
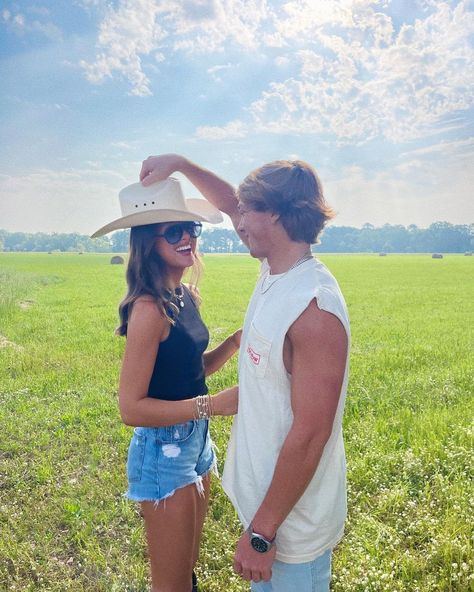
117	260
436	256
382	254
468	254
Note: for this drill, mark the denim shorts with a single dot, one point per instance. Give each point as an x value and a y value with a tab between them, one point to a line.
161	460
313	576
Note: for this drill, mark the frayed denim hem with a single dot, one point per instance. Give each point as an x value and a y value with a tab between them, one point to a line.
197	482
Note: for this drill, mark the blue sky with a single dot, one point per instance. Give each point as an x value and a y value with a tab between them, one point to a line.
377	94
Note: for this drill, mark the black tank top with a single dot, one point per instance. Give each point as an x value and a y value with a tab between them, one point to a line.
179	368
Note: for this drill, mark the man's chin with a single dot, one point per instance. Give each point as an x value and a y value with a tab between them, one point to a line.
256	254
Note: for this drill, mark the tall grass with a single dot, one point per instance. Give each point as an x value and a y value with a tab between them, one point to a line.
64	524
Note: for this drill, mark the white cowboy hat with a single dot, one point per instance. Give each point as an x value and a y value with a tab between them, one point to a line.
160	202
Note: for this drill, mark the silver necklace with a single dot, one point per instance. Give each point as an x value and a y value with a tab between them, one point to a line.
175	302
305	257
268	282
179	296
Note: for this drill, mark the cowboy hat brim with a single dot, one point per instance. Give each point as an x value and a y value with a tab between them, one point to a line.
199	210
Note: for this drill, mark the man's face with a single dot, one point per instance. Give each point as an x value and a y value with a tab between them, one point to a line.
257	227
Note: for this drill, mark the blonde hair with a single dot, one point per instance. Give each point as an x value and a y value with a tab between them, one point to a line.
291	189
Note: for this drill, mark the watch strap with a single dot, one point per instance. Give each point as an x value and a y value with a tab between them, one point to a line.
253	534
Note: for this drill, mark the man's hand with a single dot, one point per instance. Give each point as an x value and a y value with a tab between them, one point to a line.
251	565
158	168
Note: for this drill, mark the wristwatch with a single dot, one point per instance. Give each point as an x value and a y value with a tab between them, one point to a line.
259	542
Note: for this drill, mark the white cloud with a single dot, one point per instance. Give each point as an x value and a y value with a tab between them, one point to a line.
232	131
122	144
215	71
355	76
23	25
138	28
125	34
219	68
368	81
238	22
458	148
304	17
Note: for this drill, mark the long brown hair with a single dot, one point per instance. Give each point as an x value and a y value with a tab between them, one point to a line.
146	274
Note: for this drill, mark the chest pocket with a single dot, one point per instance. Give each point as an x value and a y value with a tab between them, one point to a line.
257	352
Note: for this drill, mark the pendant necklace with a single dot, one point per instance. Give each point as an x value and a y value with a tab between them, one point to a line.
268	282
175	302
179	296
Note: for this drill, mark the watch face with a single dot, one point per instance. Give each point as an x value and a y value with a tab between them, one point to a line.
258	544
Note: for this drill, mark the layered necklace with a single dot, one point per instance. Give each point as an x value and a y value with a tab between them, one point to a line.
175	302
179	296
270	281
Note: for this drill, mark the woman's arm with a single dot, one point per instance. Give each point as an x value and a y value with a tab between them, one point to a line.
146	328
217	357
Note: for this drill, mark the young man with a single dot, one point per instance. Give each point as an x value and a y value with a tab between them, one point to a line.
285	468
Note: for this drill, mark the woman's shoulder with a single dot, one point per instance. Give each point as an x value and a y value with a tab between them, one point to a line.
145	300
147	323
146	309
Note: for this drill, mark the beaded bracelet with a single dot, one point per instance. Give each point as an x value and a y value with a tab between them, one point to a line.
202	407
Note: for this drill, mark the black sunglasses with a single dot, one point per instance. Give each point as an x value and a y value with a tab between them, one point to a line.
174	233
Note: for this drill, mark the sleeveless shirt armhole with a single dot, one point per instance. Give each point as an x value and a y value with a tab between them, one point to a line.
327	301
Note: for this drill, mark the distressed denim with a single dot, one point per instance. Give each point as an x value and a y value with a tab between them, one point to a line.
162	460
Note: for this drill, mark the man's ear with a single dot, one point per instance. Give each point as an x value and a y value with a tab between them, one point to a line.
274	217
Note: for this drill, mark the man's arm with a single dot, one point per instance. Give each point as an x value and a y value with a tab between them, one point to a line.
218	191
319	348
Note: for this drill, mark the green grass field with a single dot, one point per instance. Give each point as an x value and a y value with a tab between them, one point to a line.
64	525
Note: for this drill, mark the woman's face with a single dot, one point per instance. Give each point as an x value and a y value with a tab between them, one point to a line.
176	243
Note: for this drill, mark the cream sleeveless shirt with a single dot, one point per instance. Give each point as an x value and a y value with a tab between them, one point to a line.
316	522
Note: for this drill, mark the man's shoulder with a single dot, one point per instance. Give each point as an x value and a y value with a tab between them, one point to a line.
313	323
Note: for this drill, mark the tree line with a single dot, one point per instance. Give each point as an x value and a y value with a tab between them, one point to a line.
438	237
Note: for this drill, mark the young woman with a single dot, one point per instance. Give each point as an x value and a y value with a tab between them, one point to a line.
162	388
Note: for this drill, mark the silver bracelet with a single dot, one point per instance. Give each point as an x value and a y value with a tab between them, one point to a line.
202	407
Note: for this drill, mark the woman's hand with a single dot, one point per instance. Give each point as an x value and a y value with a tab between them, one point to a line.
226	402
